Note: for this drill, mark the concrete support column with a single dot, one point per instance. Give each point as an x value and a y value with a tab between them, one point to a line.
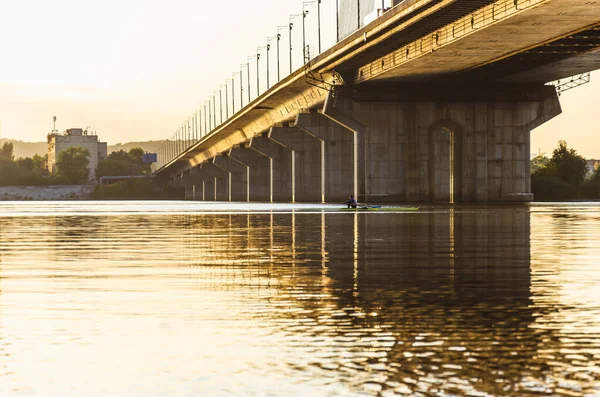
238	177
260	183
339	159
474	148
191	180
281	163
308	162
215	182
339	111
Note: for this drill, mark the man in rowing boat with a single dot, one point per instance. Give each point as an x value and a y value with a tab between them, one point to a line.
352	202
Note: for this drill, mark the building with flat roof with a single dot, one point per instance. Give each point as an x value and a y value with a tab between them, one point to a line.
79	138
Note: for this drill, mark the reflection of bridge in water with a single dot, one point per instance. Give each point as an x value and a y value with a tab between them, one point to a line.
440	301
433	101
426	303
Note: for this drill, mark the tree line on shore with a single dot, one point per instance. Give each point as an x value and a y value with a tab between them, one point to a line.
72	168
563	176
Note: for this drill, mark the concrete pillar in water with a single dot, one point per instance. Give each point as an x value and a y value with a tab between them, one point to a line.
339	157
238	176
448	145
260	172
281	167
307	163
215	182
192	182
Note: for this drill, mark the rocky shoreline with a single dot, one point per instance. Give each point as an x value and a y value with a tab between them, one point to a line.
43	193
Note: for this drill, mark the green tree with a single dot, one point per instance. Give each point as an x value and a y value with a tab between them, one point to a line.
73	165
121	163
567	165
539	162
26	163
6	151
595	177
136	155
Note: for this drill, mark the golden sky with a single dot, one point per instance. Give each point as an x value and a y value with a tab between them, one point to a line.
135	70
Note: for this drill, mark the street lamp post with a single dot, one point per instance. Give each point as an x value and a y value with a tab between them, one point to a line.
304	14
233	93
210	114
221	103
278	42
214	99
199	124
290	41
257	74
318	19
319	22
358	8
210	119
248	70
241	86
226	101
189	133
268	49
290	36
337	21
195	127
200	121
206	117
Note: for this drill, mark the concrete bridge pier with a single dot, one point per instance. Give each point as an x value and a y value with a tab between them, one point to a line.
339	155
260	174
449	144
308	177
238	177
192	184
214	184
281	161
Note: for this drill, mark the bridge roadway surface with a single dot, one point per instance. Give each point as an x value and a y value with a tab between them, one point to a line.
443	52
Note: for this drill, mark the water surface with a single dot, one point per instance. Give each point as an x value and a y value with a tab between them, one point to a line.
188	299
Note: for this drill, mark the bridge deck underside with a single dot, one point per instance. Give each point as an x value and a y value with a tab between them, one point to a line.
541	37
440	13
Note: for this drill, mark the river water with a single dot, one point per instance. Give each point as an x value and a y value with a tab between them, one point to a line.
188	299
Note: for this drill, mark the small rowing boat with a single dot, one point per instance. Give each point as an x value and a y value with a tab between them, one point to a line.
379	208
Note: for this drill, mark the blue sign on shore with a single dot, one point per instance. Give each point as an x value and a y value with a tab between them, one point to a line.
149	158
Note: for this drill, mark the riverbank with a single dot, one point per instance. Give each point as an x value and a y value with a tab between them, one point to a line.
46	193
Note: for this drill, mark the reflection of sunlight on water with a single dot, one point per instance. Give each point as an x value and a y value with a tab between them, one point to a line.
176	298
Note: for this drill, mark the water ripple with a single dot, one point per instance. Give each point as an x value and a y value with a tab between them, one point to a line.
154	299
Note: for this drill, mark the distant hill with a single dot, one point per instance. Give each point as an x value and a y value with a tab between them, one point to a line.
150	146
29	149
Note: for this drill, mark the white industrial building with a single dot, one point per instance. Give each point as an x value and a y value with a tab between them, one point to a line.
79	138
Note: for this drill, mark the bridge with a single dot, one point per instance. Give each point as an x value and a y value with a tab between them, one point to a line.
434	100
